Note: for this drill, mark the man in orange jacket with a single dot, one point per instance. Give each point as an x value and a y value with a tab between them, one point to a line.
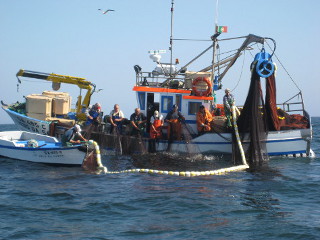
204	120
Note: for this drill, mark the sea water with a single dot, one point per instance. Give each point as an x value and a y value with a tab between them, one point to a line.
38	201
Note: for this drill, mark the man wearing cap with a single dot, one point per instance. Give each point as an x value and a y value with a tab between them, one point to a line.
204	120
93	116
228	103
156	123
72	136
174	119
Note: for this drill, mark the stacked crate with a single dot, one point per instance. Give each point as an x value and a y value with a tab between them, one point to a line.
38	106
47	105
61	102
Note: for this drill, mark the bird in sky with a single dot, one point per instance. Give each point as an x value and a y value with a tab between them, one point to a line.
104	12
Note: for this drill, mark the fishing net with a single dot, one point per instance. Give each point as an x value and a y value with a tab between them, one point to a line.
179	161
278	119
88	130
271	104
188	134
252	125
90	162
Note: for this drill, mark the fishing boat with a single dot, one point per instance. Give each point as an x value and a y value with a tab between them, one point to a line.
50	112
33	147
286	130
287	125
191	89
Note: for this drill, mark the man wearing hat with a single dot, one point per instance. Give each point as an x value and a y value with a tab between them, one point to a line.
94	115
72	136
156	123
228	103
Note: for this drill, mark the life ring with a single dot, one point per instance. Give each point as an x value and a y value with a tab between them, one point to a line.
201	86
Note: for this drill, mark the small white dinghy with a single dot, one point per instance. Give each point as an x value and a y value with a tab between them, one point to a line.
38	148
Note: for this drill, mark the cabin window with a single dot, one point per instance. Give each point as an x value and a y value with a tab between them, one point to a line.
166	103
178	101
142	100
193	108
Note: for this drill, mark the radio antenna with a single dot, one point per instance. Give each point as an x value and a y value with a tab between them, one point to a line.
171	37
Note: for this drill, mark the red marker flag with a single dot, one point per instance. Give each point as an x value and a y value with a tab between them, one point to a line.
222	29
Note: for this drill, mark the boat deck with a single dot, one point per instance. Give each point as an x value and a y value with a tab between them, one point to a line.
40	144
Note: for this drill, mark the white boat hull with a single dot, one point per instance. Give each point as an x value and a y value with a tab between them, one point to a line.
289	142
26	123
51	152
279	143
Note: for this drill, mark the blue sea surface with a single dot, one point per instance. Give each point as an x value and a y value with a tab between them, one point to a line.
38	201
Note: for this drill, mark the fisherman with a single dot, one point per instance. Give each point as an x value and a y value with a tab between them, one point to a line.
228	103
155	127
72	136
116	118
204	120
138	122
174	119
94	115
156	123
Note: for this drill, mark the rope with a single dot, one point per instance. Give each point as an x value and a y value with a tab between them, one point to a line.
100	167
234	117
184	174
244	58
103	169
285	69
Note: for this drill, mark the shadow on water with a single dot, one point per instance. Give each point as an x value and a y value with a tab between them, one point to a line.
260	194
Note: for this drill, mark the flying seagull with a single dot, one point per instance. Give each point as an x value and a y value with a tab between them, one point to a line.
104	12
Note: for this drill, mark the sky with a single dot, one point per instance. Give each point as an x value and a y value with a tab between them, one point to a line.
74	38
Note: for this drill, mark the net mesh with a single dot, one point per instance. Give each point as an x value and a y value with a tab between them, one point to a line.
90	162
252	125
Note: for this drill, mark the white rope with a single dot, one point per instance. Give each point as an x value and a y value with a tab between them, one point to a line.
103	169
234	118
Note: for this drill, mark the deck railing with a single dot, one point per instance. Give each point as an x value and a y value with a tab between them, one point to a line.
294	104
157	80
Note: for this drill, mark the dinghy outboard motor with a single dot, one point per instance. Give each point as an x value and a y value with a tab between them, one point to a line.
264	65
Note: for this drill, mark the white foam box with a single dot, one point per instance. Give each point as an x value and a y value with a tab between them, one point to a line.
61	105
36	103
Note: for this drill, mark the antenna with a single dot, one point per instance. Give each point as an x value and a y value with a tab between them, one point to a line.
155	55
214	45
171	36
216	15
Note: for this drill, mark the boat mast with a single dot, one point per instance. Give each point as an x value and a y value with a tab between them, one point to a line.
214	46
171	37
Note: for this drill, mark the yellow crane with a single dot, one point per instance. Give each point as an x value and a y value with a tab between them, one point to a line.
57	79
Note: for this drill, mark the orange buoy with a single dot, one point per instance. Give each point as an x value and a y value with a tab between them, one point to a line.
201	86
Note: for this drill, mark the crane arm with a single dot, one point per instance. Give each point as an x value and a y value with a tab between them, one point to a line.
82	83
